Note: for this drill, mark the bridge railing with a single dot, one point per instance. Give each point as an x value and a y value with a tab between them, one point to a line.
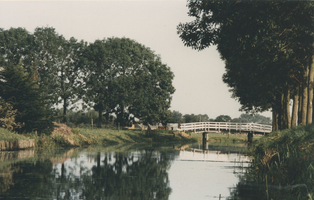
227	126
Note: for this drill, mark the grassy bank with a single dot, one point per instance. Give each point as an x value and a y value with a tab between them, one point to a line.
6	135
66	137
282	167
225	139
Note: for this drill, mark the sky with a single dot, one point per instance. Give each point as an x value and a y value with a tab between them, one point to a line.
153	23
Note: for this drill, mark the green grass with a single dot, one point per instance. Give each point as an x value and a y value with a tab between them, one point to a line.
85	136
226	139
6	135
108	136
284	159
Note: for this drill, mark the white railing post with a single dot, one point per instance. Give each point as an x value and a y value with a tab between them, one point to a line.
218	127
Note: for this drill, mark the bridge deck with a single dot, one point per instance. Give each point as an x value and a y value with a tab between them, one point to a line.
225	126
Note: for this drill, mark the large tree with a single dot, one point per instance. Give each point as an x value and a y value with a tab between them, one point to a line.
57	65
266	47
20	90
49	57
69	76
98	78
126	78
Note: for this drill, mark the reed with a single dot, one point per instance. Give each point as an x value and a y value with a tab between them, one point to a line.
283	161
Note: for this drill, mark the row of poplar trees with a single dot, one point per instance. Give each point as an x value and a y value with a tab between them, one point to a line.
113	76
268	51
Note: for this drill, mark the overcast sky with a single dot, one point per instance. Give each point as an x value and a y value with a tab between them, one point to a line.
198	75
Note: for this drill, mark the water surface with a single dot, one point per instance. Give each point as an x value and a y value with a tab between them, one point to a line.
122	172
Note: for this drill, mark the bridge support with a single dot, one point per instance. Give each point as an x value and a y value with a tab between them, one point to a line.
205	140
250	137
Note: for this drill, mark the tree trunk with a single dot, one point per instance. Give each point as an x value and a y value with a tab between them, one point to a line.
99	118
281	112
300	104
287	109
310	93
295	108
122	120
64	117
275	119
305	96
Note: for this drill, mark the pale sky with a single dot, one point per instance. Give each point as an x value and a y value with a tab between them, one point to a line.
198	74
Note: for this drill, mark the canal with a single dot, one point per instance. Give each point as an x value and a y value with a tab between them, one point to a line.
171	172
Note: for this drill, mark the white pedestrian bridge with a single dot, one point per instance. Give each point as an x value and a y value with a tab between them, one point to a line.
197	127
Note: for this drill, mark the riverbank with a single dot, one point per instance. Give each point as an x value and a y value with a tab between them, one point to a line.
282	166
63	136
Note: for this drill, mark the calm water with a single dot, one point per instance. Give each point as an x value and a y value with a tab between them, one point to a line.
122	172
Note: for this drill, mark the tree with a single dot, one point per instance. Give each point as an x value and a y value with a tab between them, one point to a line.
195	118
257	40
57	65
15	46
7	117
126	78
204	118
51	59
247	118
69	76
188	118
20	90
223	118
176	117
98	78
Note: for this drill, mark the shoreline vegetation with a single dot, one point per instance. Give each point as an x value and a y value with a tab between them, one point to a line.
63	136
282	166
281	159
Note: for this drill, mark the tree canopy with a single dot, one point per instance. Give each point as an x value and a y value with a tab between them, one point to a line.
126	78
114	76
20	90
267	48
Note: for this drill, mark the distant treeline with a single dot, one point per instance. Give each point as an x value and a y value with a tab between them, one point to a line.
84	119
177	117
114	76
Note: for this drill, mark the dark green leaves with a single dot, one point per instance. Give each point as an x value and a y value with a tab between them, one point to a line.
126	78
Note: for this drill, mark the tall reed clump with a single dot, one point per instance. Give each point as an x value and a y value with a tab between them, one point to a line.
283	162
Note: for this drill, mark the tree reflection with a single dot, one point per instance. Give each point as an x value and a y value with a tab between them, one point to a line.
123	176
261	185
140	175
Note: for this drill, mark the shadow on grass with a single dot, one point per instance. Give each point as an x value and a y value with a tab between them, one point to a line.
159	136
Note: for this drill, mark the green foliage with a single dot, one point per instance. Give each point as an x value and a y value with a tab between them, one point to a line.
114	76
7	117
49	58
223	118
176	117
195	118
69	78
126	78
247	118
83	119
6	135
15	46
283	158
19	90
266	45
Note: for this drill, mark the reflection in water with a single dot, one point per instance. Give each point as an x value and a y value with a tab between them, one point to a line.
139	174
256	185
136	175
206	174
